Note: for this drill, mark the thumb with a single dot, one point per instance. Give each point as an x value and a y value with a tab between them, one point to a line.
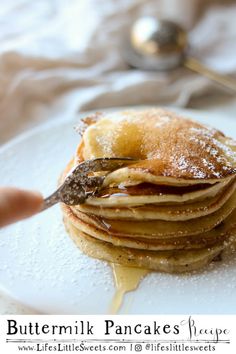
17	204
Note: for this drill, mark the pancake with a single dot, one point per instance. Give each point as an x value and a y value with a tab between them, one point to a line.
173	209
121	199
216	235
157	194
161	228
169	147
165	261
146	173
168	212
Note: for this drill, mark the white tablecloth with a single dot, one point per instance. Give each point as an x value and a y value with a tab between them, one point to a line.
63	56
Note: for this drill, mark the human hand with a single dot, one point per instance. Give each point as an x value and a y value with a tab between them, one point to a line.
17	204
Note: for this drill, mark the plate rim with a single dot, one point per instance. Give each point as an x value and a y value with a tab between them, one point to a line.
57	121
78	115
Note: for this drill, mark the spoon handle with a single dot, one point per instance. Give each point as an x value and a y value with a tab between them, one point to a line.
198	67
51	200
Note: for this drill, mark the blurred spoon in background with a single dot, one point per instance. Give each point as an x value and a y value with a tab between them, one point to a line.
162	45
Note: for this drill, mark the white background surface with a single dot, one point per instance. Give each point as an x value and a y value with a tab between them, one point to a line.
41	267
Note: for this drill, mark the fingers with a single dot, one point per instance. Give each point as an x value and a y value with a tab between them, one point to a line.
17	204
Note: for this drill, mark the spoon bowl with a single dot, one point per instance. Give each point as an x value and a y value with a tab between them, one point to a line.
162	45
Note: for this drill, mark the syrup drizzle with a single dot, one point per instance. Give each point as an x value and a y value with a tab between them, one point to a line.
126	280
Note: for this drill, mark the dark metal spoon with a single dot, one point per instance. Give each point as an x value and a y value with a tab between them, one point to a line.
156	44
79	184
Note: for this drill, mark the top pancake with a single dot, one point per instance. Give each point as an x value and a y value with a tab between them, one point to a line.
169	146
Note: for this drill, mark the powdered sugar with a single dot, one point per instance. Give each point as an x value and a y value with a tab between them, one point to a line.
185	149
41	266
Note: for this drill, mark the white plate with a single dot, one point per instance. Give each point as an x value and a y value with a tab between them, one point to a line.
42	268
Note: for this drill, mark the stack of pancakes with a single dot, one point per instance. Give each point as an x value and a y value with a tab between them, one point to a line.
174	209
